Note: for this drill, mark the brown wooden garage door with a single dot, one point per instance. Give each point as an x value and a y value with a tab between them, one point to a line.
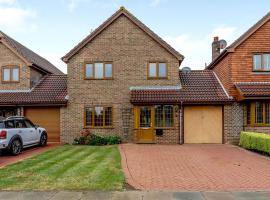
49	118
203	124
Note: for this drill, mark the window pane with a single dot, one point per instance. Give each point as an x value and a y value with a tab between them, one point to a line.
145	116
257	62
266	61
108	70
89	70
152	69
6	75
15	74
88	117
248	113
259	112
108	116
158	116
162	70
29	124
267	113
98	70
168	110
98	116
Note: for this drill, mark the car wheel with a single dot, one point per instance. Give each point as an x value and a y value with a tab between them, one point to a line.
16	147
43	139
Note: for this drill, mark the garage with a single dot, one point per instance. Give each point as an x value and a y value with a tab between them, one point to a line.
203	124
47	117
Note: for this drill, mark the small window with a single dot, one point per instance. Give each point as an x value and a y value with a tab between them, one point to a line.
261	62
98	70
98	116
164	116
10	74
157	70
258	113
20	124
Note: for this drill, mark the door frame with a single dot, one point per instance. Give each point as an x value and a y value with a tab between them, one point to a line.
140	130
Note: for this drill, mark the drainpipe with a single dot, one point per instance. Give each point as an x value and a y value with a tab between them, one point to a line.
181	123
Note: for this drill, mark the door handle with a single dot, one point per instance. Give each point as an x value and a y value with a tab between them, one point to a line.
20	131
31	131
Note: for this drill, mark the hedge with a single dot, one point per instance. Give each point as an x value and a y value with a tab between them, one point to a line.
255	141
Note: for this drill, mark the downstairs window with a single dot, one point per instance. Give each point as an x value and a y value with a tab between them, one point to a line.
258	113
98	116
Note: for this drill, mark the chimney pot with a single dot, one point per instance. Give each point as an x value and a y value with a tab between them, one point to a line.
215	38
215	48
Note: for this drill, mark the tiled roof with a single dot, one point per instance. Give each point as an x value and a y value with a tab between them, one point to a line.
110	20
52	90
31	56
155	96
197	87
253	89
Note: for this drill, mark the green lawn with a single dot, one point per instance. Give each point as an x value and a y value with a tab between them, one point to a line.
67	168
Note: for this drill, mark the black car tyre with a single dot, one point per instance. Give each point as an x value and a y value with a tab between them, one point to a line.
16	147
43	139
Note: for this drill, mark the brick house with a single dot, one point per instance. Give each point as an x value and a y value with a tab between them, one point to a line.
244	70
123	79
30	86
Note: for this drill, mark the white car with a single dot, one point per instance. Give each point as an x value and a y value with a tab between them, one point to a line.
17	133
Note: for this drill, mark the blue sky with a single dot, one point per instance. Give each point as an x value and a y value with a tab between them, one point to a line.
52	27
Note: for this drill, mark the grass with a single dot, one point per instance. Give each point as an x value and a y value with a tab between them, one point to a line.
67	168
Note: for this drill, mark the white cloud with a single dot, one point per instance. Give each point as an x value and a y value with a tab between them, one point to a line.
55	59
10	2
155	3
73	4
14	18
197	51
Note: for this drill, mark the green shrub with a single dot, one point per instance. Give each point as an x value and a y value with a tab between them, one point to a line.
96	140
255	141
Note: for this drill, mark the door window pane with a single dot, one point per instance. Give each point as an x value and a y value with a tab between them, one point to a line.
89	70
145	116
152	69
259	112
108	70
266	61
162	70
15	74
98	70
29	124
6	75
257	62
99	116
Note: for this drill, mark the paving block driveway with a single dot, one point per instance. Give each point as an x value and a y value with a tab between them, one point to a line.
194	168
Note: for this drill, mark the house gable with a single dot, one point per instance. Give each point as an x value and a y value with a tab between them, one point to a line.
235	64
122	12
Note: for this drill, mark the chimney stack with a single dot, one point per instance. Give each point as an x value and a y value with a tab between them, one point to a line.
215	48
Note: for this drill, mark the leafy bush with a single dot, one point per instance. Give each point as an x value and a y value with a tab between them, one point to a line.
87	138
255	141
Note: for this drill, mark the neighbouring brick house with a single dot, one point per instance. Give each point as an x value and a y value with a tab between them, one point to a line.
123	79
30	86
244	70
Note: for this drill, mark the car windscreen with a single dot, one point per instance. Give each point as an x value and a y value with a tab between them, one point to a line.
2	125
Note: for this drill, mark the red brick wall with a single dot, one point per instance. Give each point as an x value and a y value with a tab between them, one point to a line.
238	66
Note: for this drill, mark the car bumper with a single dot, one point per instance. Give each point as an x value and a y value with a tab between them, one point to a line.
3	144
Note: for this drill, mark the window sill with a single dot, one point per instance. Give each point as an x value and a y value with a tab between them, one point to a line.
98	78
98	127
157	78
258	125
8	82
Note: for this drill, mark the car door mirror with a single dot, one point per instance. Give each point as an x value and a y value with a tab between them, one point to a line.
36	126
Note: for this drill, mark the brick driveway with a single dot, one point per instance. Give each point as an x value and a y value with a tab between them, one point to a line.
194	168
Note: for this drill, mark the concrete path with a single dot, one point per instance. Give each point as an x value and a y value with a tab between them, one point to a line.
194	168
7	159
134	195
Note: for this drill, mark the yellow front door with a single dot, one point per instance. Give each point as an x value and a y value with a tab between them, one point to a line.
145	132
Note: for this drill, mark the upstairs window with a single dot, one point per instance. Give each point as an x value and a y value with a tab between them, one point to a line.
157	70
98	70
261	62
10	74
